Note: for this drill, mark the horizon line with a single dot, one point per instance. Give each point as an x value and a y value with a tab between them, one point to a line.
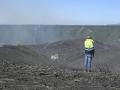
65	24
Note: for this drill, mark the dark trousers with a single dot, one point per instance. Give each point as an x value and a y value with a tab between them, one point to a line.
88	62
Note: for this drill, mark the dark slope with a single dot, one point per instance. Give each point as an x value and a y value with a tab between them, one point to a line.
29	67
22	54
71	54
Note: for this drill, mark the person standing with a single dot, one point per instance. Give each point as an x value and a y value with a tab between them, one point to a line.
89	53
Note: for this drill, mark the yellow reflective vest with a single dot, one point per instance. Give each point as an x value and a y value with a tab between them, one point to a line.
89	43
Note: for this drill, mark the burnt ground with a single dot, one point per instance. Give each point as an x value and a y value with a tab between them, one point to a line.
71	55
30	67
39	77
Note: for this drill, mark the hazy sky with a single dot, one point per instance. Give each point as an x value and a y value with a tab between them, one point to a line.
59	11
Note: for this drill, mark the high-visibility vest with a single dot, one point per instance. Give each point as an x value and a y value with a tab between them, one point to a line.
89	43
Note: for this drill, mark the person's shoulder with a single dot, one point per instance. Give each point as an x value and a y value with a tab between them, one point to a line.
92	40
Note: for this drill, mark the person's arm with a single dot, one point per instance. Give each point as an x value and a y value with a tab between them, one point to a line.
93	48
93	52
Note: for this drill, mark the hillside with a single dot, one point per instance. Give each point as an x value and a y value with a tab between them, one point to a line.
71	54
39	34
29	67
21	54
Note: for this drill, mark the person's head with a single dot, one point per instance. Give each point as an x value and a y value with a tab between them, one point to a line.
89	37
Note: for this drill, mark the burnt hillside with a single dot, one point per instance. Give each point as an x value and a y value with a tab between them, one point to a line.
71	54
30	67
